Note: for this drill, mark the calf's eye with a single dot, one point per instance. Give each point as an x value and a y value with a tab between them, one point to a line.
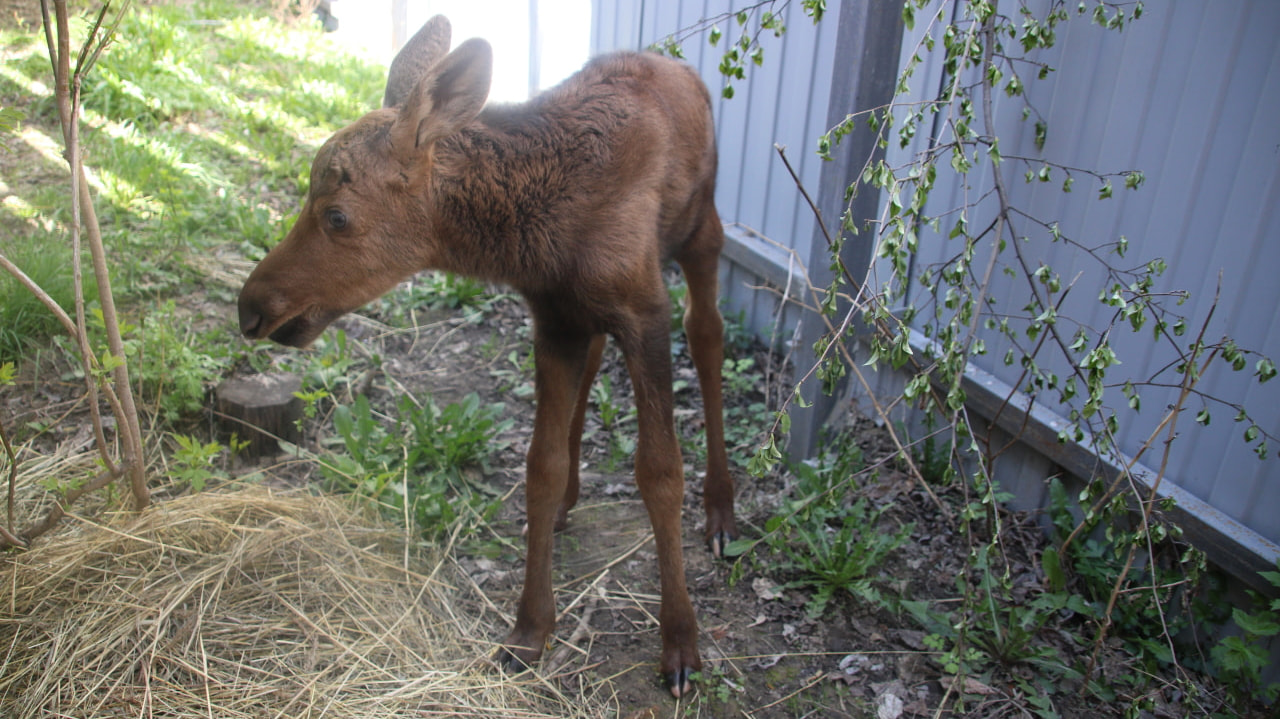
336	218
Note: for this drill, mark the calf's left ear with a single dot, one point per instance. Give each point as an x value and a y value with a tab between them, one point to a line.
446	98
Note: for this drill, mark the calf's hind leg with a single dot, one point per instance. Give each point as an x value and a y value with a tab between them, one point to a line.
594	355
660	479
705	330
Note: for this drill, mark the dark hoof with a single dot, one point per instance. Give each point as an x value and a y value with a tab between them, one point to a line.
717	541
679	682
511	661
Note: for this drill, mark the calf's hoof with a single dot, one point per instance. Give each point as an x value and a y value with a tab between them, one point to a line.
678	666
679	682
721	530
516	660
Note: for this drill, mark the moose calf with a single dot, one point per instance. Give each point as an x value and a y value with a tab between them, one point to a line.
575	199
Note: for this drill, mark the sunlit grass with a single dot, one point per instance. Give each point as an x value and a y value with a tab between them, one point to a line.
23	319
199	124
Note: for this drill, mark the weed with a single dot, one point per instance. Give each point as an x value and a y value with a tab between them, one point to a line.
613	415
331	367
516	376
194	462
1144	619
310	401
827	542
1240	660
170	365
1001	634
934	462
716	689
739	376
437	291
744	429
835	551
420	468
746	415
738	338
458	435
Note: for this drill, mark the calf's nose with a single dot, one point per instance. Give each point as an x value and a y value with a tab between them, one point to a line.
250	318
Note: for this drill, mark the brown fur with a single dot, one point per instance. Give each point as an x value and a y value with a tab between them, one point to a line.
576	199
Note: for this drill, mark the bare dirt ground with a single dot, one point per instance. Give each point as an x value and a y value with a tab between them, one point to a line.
765	657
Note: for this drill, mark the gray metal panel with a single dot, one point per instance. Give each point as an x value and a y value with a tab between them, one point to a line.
1189	95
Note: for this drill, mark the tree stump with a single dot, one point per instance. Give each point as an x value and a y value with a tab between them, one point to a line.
260	409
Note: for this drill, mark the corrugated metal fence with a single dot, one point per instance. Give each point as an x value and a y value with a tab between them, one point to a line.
1190	95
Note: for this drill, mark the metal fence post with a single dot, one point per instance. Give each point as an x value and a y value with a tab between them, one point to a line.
869	42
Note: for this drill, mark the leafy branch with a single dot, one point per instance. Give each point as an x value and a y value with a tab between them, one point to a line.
994	291
753	21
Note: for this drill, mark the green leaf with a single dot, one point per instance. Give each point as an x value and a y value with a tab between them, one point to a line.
1272	577
993	151
739	547
1236	656
1051	562
1265	370
765	458
1259	624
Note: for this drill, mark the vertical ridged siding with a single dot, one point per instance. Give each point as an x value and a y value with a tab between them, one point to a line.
1189	95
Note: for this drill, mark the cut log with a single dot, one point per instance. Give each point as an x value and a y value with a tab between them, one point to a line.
262	410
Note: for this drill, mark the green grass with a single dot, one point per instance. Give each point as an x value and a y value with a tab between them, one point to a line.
24	320
417	462
200	123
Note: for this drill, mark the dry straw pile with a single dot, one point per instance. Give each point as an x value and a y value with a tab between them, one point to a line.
245	604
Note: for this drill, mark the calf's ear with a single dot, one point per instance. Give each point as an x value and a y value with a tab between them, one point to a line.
446	98
423	50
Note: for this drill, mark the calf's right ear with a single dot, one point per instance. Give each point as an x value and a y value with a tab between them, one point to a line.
444	100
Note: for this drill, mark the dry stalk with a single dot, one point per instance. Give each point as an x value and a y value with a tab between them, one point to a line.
84	216
6	531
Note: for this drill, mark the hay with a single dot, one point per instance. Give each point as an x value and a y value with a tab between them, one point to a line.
245	604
